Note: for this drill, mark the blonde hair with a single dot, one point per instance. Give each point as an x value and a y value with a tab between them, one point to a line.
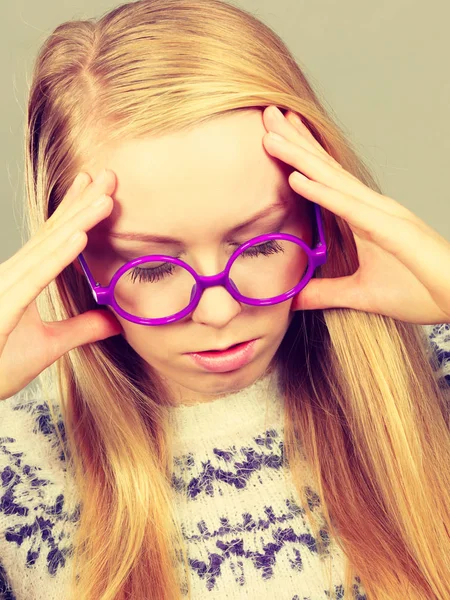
363	406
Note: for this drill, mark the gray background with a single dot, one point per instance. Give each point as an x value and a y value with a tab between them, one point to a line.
381	69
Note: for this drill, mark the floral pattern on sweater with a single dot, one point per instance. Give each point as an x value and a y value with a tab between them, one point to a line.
246	533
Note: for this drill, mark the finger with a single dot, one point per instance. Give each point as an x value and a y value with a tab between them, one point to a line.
23	283
84	195
83	192
34	259
390	232
72	199
80	217
274	120
81	181
291	127
71	333
78	185
318	171
86	328
320	294
296	121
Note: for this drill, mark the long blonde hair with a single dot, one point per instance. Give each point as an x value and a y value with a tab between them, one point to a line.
362	404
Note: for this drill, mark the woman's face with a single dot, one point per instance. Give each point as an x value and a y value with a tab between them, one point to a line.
196	187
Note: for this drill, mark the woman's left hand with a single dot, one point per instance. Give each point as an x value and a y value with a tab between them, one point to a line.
404	265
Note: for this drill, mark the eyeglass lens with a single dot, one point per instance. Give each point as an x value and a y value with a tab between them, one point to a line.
155	290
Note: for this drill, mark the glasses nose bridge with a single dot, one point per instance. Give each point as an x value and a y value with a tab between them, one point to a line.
209	281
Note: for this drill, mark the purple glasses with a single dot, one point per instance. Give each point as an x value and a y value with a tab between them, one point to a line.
288	254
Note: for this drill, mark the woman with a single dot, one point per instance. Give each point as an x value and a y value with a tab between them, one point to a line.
246	473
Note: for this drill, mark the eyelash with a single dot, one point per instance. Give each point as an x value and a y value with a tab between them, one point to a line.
269	247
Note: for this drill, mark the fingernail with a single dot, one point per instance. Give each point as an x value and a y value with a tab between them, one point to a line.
79	179
275	137
297	119
104	199
101	177
278	114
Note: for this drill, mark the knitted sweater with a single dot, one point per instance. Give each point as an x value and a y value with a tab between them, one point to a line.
246	534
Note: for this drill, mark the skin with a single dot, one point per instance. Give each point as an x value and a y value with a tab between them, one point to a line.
196	186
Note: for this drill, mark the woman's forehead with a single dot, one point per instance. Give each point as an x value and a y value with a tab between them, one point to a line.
218	174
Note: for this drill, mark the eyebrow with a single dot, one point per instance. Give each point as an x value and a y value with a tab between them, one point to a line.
134	236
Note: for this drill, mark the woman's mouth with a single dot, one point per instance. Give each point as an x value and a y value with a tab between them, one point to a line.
221	361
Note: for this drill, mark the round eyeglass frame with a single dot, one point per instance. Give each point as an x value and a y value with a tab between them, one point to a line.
104	295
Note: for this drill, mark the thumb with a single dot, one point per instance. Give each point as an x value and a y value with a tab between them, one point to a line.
339	292
91	326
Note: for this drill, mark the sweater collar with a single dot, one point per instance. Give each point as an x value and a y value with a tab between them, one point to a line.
249	410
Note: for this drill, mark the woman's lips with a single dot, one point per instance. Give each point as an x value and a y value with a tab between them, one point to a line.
223	350
227	360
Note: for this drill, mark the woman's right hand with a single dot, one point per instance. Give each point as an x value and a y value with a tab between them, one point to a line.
29	345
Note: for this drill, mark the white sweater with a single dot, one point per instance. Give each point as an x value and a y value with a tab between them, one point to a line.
246	534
